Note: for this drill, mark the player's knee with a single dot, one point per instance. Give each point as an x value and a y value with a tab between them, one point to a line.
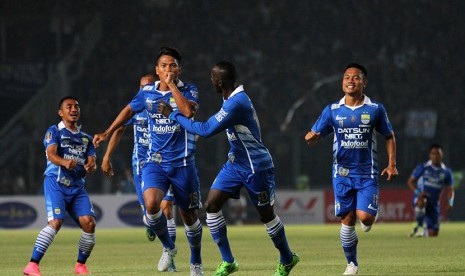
212	207
87	224
56	224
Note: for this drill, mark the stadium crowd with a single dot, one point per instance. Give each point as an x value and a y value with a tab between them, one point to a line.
413	54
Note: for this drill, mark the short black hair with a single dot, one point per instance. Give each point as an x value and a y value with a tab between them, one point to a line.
169	52
66	98
358	66
435	146
228	69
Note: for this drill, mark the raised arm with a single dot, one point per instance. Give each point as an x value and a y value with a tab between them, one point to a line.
121	119
312	138
185	106
205	129
115	138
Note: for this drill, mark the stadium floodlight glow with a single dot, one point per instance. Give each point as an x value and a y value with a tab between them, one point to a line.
303	99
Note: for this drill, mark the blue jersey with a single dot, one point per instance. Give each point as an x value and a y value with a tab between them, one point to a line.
431	179
238	117
70	145
170	144
354	146
141	140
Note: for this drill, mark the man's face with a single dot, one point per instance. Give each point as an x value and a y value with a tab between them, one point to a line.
216	79
70	111
353	81
436	156
168	64
145	80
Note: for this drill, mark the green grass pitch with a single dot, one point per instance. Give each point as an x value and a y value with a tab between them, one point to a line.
386	250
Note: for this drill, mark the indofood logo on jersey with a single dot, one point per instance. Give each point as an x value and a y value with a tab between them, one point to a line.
354	144
353	138
166	129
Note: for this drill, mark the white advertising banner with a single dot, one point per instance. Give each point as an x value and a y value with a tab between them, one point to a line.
119	211
300	207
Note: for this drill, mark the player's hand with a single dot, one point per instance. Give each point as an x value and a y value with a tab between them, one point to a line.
169	78
164	109
90	167
391	172
312	138
69	164
107	168
99	138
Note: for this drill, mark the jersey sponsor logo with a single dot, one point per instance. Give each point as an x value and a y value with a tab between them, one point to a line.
78	159
63	137
338	118
142	129
354	144
166	129
353	136
156	116
354	130
143	141
365	118
163	121
220	115
16	214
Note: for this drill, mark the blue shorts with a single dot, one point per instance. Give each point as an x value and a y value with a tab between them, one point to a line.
431	213
260	185
138	185
184	182
354	193
60	199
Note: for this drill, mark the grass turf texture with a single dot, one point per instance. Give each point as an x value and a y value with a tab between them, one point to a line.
386	250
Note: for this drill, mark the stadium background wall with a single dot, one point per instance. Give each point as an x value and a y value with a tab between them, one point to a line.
120	211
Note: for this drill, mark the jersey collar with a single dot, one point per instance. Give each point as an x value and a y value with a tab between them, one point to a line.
238	89
61	126
366	100
430	163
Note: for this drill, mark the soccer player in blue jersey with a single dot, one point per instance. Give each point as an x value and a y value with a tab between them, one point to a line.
170	158
353	120
139	156
70	156
427	181
249	165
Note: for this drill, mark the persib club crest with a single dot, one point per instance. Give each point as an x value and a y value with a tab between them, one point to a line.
365	118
